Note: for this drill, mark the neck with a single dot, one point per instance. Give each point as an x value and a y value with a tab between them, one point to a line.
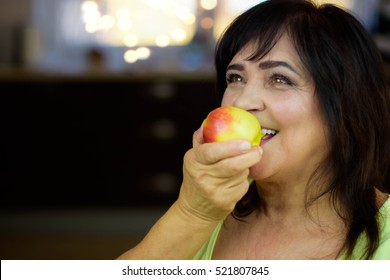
294	203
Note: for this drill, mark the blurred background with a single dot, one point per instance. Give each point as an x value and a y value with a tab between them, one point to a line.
98	103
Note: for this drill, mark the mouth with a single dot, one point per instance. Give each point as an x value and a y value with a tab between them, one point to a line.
268	134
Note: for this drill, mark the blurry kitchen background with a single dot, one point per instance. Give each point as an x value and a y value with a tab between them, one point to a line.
98	103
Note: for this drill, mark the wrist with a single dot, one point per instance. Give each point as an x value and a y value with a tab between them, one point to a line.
195	217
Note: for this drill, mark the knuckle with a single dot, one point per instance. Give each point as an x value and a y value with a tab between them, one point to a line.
188	156
233	168
209	155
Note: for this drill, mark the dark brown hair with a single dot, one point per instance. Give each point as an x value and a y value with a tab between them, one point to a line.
351	88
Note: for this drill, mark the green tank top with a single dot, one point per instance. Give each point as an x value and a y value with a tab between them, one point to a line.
382	252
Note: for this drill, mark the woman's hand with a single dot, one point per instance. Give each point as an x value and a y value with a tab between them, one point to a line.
215	177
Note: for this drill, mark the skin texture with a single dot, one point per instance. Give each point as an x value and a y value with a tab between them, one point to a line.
279	92
292	110
214	179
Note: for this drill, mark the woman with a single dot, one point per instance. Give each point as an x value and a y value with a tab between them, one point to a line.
313	77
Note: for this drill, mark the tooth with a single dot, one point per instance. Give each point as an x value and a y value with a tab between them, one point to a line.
268	131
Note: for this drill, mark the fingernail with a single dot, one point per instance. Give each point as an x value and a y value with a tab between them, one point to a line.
244	146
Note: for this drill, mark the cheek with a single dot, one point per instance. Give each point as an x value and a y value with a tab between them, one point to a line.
289	115
296	111
302	126
306	132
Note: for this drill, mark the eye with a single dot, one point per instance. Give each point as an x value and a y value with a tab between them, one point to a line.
233	78
281	80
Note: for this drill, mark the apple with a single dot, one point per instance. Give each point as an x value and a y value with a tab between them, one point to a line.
230	122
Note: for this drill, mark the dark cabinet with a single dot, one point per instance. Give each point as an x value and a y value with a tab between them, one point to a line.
97	142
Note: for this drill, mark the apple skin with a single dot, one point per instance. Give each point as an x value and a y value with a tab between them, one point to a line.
229	122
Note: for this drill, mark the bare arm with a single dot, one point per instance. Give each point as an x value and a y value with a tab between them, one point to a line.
214	179
174	236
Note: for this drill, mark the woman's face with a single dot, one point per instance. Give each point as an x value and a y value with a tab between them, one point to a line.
280	93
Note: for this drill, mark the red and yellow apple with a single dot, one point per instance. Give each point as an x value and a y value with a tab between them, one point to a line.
228	123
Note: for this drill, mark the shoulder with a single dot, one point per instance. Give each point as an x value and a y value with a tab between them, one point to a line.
384	218
383	251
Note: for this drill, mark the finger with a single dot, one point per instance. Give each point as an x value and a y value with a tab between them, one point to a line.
224	173
232	181
235	165
226	198
237	191
210	153
197	137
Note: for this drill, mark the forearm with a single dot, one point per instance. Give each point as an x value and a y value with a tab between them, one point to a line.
175	236
214	179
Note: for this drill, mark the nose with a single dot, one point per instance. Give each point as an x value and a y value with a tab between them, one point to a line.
250	98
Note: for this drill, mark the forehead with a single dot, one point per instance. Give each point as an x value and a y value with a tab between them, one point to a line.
283	50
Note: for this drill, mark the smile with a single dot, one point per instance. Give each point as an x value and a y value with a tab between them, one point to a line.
268	134
266	131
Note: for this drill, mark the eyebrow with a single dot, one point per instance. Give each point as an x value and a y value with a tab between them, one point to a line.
238	67
265	65
275	63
